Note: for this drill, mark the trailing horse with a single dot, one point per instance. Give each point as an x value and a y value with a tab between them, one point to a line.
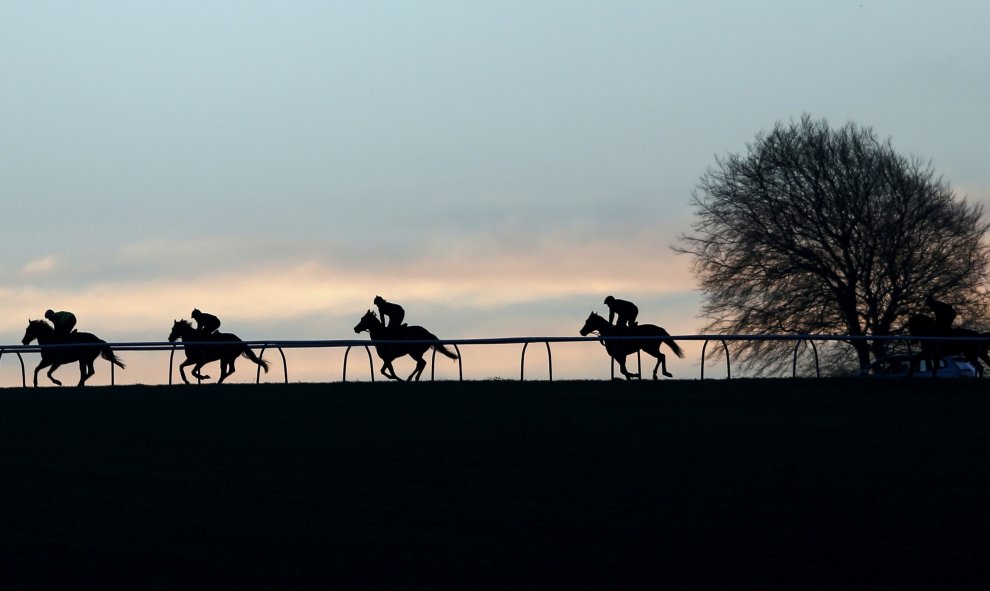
390	352
920	325
57	356
199	350
652	337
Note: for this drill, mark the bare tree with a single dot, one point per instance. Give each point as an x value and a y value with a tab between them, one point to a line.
821	230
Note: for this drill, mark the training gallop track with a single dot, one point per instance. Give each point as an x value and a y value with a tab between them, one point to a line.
708	484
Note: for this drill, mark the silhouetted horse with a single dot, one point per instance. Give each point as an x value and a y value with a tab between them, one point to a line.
652	335
199	355
55	357
920	325
390	352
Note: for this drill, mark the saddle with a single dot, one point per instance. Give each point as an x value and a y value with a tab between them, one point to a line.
396	332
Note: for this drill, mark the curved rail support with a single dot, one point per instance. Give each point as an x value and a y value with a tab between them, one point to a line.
23	374
21	360
814	349
522	362
285	366
725	349
171	357
371	365
460	365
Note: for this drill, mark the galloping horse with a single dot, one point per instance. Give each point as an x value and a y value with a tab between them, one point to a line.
652	335
390	352
920	325
55	357
200	353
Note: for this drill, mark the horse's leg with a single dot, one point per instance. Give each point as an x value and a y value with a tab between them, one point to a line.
389	372
197	360
197	371
225	372
418	372
50	376
44	363
182	371
973	357
86	371
420	366
622	367
654	350
661	362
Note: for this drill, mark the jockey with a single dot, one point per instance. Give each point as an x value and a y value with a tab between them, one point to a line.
394	312
63	322
206	324
626	312
945	314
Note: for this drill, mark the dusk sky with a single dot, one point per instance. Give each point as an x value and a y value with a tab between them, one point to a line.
498	168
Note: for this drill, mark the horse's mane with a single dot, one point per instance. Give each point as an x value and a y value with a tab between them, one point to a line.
184	322
41	323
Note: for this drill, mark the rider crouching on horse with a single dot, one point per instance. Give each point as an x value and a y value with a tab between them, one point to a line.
392	311
63	322
626	312
206	324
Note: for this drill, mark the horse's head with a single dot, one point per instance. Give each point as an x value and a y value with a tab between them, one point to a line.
35	329
368	322
592	324
180	328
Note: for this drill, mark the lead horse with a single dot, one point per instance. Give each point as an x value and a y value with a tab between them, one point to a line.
57	356
200	351
390	351
652	337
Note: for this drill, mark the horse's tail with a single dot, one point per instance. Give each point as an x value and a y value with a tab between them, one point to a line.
670	343
439	347
108	354
250	355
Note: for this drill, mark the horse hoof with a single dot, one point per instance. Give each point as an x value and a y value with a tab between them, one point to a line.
668	374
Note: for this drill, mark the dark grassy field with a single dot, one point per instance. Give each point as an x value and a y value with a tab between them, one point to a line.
740	484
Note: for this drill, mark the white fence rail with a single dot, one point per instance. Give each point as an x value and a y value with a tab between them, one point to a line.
808	339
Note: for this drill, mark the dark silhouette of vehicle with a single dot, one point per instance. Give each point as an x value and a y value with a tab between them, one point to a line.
920	366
